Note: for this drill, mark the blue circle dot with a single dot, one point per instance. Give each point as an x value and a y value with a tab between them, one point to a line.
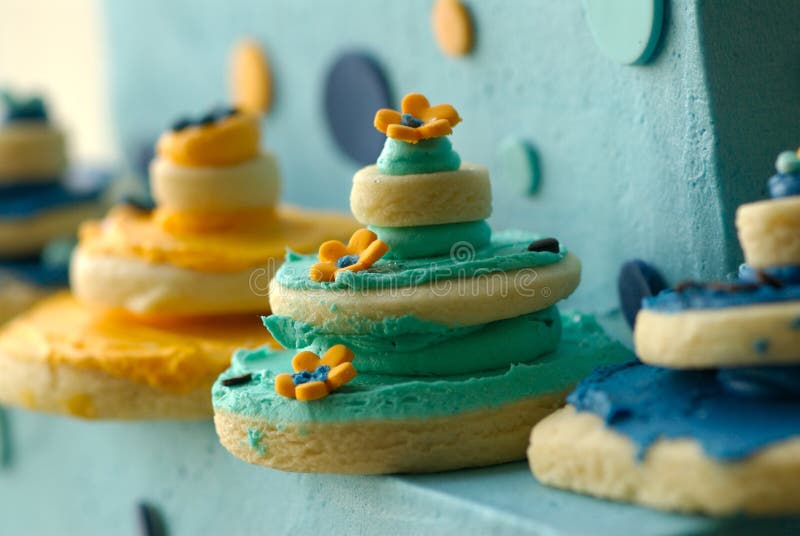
355	89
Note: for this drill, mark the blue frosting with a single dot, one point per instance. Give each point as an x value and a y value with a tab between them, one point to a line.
36	271
788	275
670	301
25	200
648	403
784	185
766	382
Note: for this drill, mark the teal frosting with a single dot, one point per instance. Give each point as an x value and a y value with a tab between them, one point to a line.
427	156
408	346
584	345
432	240
508	250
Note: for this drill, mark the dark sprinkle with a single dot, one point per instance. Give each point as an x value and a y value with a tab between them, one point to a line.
765	279
218	113
717	285
150	521
545	244
181	124
207	119
237	380
140	203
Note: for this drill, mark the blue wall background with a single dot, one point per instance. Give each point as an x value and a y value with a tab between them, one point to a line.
637	161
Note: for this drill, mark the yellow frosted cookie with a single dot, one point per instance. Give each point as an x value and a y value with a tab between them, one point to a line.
62	357
769	232
254	183
128	261
576	451
421	198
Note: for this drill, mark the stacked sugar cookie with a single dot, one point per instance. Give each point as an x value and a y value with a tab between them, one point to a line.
426	342
38	205
710	421
162	297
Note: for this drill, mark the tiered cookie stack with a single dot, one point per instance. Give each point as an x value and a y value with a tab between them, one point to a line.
711	421
452	331
37	206
163	297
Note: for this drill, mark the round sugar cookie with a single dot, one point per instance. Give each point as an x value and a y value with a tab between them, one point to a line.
758	334
28	235
396	423
252	184
31	151
462	301
160	289
422	198
769	232
62	357
577	451
129	262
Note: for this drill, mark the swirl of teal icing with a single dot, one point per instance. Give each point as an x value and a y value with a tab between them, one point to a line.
507	251
408	346
426	156
432	240
369	396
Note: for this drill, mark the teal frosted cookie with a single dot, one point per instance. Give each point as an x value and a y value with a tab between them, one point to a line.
426	342
382	423
502	280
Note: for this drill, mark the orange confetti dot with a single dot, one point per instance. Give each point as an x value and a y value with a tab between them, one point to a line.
251	82
452	27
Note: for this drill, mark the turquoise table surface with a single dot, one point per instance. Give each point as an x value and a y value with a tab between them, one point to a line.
71	477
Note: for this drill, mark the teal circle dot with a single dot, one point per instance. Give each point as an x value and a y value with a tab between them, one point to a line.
519	165
627	31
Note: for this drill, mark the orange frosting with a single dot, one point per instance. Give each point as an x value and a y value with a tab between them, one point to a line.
126	232
187	222
178	357
226	142
435	121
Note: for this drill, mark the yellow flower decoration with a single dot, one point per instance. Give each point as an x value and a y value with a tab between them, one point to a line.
363	250
316	377
418	120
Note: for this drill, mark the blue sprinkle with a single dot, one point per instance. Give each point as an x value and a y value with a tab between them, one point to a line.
319	375
796	323
347	260
411	121
784	185
761	346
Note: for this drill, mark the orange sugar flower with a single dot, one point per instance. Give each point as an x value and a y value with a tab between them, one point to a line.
363	250
418	120
316	377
